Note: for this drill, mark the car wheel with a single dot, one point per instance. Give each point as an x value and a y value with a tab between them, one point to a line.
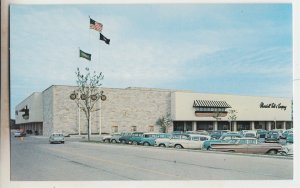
134	143
209	148
162	145
146	144
123	142
178	146
62	142
114	141
106	141
272	152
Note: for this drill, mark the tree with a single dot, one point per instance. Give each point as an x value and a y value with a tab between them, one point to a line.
232	116
164	122
87	93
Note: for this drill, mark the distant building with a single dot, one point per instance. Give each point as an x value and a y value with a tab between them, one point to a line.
137	109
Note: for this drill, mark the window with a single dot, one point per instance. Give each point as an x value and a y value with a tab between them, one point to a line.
114	129
184	137
252	141
151	128
133	128
243	142
203	138
195	138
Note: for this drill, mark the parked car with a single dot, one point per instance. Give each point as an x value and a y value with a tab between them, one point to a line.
217	134
290	138
105	138
272	136
247	145
249	135
261	133
200	132
19	133
286	132
57	138
115	138
149	138
135	138
280	132
190	141
224	138
165	142
124	138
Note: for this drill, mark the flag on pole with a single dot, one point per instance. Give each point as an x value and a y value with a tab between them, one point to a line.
106	40
85	55
95	25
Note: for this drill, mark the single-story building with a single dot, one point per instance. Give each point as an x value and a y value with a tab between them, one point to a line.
138	109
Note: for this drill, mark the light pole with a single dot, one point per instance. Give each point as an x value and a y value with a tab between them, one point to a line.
86	101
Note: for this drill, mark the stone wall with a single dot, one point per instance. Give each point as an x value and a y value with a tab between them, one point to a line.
138	107
48	111
123	108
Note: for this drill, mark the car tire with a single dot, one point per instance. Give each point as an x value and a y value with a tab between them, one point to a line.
272	152
63	142
114	141
178	146
106	141
162	145
134	143
146	144
123	142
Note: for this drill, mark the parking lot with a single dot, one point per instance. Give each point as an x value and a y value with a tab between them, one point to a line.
36	159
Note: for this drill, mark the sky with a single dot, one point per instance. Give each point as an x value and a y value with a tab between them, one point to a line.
241	49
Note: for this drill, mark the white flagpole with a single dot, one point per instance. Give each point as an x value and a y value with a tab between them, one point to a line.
79	126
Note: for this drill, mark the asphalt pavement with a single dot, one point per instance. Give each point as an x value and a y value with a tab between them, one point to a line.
76	160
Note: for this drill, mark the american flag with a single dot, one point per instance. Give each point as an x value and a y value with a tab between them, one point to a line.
95	25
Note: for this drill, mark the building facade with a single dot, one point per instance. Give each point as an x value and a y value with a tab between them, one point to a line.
138	109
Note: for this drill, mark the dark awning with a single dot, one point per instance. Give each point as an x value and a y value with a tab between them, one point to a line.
212	104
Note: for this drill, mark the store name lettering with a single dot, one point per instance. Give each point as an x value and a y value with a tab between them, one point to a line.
272	105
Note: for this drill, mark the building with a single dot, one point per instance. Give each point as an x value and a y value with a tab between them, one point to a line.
138	109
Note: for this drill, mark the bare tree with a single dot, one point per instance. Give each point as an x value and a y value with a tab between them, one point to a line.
164	122
87	93
232	116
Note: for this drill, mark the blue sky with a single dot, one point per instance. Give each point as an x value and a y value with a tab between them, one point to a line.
243	49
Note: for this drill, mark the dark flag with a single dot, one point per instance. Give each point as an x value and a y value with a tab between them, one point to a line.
85	55
106	40
95	25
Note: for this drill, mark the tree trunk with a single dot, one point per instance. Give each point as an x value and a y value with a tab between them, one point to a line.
89	127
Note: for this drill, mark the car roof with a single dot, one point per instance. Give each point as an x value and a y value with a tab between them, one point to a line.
243	138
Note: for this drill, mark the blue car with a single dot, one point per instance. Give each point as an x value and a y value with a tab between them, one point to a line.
149	138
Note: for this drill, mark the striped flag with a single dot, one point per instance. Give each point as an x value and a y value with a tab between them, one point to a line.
95	25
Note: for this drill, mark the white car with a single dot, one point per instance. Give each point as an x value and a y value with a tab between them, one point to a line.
164	142
105	138
57	138
192	141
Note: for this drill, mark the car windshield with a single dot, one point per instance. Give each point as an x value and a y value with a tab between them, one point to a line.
57	135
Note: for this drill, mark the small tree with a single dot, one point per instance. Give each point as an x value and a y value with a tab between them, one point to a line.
87	93
217	115
164	122
232	116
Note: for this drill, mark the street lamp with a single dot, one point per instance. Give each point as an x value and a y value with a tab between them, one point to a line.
87	105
